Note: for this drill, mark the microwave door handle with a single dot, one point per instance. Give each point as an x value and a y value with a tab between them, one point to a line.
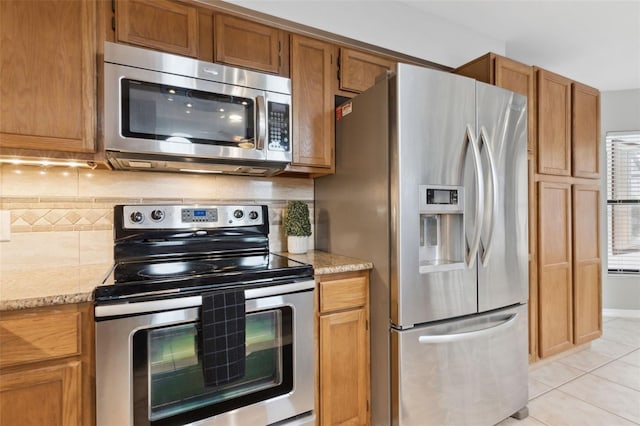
493	206
472	249
261	124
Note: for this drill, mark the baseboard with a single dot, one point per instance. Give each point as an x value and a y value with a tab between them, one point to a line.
622	313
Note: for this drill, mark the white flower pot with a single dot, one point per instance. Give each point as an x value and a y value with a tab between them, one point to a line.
296	245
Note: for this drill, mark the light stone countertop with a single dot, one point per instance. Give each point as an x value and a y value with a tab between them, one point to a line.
35	287
327	263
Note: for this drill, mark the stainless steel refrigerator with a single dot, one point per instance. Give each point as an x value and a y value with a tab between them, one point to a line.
431	186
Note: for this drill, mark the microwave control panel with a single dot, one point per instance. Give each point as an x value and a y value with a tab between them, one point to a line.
278	133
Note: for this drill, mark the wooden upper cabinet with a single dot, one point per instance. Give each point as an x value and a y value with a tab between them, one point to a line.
159	24
519	78
585	131
554	123
48	68
358	70
508	74
555	291
587	283
248	44
312	104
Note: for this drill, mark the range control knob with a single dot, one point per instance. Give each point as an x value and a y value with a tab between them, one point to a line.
157	215
136	217
238	214
253	215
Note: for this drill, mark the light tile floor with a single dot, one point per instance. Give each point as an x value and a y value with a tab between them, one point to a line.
598	386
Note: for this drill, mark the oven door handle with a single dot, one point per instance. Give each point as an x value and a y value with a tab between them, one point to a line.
124	309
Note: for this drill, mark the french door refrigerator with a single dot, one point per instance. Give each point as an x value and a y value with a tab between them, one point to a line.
431	186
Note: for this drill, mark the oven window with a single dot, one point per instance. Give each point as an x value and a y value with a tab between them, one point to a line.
168	379
175	114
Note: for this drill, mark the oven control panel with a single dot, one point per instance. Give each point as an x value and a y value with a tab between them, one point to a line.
190	216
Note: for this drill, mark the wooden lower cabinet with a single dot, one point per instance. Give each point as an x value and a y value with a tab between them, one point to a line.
533	260
42	396
587	287
46	366
343	355
569	277
555	332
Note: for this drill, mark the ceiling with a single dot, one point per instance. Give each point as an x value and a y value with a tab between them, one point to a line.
594	42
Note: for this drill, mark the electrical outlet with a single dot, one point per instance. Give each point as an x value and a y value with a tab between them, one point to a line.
5	225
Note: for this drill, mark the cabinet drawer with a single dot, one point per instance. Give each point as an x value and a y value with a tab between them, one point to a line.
345	293
39	337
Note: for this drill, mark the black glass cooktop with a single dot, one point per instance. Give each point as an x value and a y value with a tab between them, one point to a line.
144	280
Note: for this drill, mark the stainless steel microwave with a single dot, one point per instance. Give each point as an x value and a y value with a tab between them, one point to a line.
164	112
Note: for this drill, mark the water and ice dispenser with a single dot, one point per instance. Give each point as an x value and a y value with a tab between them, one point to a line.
441	228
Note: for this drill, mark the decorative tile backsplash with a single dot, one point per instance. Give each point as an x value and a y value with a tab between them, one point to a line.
63	216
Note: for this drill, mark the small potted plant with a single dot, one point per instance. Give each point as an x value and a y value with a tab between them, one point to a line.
297	226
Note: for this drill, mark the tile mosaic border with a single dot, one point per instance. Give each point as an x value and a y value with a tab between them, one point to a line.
50	214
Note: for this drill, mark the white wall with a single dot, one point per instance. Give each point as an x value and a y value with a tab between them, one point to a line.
620	111
400	28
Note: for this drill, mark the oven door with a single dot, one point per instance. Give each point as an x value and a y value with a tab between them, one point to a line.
149	365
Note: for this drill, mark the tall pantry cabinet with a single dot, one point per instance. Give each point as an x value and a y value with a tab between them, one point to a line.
564	194
570	285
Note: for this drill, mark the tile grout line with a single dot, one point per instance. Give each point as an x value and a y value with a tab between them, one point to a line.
597	406
589	372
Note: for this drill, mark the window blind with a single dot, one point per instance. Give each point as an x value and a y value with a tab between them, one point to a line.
623	201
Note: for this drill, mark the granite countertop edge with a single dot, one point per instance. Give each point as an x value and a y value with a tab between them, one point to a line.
41	287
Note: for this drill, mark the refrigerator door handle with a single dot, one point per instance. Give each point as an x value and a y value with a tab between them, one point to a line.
457	337
472	249
493	206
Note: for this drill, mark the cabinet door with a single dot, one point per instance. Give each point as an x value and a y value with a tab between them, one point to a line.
585	131
312	103
158	24
248	44
358	70
46	396
555	299
533	261
47	63
344	368
519	78
554	124
587	291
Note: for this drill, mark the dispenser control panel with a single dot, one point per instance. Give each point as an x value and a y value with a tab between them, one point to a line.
441	199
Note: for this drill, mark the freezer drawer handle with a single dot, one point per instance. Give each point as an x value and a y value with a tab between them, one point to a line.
457	337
